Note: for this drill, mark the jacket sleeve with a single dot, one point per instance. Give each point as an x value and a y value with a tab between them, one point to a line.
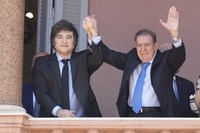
94	58
177	57
40	87
116	59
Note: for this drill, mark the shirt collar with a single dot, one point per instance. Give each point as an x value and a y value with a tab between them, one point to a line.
60	58
153	58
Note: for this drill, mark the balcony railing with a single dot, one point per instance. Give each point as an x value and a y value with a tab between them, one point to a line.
23	123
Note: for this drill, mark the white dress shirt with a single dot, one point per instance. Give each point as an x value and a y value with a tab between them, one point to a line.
74	102
149	98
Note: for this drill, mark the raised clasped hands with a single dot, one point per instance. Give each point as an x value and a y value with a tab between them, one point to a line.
90	26
172	22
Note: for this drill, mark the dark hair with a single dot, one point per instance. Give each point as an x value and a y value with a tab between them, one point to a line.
66	26
146	32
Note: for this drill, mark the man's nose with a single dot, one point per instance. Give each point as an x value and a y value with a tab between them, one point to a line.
143	48
64	40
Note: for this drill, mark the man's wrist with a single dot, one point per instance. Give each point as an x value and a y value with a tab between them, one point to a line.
57	113
174	33
176	39
55	109
94	32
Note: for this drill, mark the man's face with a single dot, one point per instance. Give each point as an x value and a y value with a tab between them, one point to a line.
145	47
64	43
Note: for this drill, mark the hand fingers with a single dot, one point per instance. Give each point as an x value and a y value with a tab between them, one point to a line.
93	16
177	15
162	22
173	13
65	113
90	19
72	113
87	24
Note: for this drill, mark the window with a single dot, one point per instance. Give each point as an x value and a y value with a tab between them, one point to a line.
51	11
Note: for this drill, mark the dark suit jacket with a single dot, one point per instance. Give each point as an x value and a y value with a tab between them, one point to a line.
27	98
163	68
46	81
185	89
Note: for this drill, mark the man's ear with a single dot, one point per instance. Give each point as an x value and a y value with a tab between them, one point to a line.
155	46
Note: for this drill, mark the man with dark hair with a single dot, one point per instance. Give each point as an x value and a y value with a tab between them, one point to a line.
146	88
61	81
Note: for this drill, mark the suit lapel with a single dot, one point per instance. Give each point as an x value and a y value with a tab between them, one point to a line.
132	63
156	59
55	67
130	69
74	64
153	77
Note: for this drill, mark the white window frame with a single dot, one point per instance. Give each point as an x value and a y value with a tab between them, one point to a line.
54	15
43	33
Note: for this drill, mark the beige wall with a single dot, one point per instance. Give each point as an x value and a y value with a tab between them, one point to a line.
118	21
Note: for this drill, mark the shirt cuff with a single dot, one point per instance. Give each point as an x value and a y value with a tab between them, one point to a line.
95	39
177	44
55	110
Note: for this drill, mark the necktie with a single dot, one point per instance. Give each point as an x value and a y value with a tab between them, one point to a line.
65	85
175	88
137	96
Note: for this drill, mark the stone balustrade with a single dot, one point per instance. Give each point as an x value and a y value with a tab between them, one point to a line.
14	119
113	125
